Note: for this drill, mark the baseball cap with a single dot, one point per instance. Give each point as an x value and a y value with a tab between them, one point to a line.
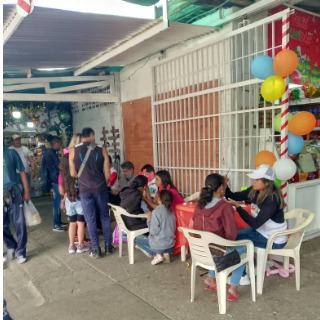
15	136
263	171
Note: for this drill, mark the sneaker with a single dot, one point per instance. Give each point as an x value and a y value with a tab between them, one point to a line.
157	259
82	249
144	252
166	258
21	259
58	229
244	280
72	249
11	254
64	225
76	240
109	249
95	253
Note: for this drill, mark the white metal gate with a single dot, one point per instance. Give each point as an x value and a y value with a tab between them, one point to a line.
206	112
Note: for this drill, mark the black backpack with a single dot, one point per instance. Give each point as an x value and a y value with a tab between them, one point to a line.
45	182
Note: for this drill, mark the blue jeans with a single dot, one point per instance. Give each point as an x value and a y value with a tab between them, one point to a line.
15	211
237	273
257	238
90	203
142	242
56	204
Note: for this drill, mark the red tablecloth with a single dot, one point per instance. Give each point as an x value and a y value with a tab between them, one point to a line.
184	213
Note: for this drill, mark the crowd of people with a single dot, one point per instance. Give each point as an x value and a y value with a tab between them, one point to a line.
83	182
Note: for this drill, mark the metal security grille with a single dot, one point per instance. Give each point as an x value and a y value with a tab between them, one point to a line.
207	113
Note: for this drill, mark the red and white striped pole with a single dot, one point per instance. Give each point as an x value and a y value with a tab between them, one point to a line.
285	106
24	7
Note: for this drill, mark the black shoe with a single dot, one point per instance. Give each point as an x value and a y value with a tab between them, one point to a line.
109	249
95	253
64	225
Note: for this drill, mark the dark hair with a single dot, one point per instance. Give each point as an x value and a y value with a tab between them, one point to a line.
53	139
166	199
127	165
86	132
110	159
138	181
148	168
68	182
165	177
271	189
212	183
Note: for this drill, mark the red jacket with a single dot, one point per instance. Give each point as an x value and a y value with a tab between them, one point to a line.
218	219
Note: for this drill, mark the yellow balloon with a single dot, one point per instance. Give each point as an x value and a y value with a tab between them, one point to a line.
273	88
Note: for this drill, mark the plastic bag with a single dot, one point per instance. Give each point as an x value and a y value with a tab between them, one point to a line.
31	214
115	235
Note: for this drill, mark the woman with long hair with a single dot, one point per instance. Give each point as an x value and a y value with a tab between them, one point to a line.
68	187
214	214
267	216
164	182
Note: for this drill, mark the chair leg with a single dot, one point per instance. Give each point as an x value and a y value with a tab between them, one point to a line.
286	263
252	280
183	253
193	280
222	292
261	269
130	249
297	268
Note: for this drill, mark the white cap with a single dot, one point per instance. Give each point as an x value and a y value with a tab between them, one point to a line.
15	136
263	171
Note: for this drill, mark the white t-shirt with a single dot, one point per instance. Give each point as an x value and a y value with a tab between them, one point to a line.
24	154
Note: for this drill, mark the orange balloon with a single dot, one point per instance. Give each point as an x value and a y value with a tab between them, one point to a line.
264	157
285	62
302	123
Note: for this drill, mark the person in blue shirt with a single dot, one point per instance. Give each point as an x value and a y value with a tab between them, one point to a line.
51	162
13	205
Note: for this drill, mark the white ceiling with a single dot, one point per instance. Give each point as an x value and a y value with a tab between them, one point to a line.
51	38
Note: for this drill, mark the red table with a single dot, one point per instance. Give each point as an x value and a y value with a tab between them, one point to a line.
184	214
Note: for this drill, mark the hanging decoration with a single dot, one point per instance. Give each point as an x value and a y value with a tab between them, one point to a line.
294	94
310	91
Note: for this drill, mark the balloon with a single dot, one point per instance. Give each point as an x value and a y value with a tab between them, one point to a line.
64	117
277	182
273	88
295	143
285	169
285	62
243	188
277	121
302	123
261	67
264	157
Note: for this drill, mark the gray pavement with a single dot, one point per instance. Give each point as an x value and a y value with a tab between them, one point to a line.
54	284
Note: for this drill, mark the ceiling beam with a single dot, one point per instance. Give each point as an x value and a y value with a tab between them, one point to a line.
77	97
78	87
12	27
56	79
24	86
111	53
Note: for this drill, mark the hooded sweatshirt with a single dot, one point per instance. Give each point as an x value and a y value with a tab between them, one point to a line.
218	219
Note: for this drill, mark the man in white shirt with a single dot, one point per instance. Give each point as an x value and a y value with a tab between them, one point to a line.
25	155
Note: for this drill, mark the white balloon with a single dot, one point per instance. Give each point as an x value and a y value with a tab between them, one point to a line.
285	169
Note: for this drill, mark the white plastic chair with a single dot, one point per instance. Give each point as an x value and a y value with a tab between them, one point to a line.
302	218
199	242
194	196
131	234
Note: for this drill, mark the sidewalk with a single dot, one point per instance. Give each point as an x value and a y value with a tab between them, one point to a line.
54	284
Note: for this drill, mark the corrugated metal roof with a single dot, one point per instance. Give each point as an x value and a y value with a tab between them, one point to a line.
51	38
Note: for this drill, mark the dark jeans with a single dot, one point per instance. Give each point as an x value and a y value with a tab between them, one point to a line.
16	213
90	203
257	238
56	204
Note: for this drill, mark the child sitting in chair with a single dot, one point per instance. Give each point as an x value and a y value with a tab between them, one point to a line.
162	225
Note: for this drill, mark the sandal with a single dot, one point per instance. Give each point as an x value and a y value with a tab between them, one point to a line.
210	288
231	297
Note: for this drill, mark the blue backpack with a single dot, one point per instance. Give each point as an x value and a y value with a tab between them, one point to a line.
45	182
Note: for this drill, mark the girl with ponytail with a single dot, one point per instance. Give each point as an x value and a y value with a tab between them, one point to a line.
214	214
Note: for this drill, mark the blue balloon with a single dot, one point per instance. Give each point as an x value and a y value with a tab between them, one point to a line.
262	67
295	143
